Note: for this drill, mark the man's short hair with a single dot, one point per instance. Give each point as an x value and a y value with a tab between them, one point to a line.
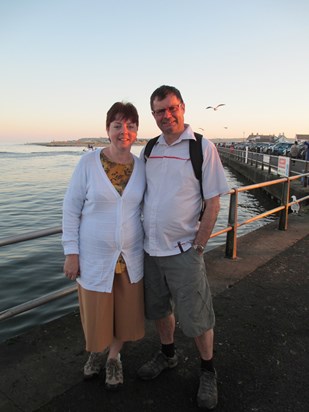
161	92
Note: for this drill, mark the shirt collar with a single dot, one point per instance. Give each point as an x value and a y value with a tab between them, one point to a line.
187	134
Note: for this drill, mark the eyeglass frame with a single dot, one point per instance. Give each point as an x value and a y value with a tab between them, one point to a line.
172	109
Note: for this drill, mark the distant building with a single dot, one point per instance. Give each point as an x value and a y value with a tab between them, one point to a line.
261	138
302	137
281	138
267	138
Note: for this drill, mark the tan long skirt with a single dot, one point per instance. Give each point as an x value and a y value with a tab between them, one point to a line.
117	314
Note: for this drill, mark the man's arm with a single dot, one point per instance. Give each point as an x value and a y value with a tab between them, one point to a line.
212	207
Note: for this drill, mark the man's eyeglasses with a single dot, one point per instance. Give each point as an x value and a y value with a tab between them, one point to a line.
171	109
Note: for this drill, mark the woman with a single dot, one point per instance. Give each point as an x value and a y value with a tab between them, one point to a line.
103	243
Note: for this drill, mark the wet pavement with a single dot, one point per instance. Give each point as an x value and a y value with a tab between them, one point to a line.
261	343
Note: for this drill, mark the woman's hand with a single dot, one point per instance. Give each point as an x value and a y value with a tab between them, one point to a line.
71	266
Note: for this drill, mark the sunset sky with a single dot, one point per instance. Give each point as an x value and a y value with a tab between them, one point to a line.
65	62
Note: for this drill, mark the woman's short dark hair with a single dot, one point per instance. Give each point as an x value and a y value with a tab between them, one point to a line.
161	92
126	111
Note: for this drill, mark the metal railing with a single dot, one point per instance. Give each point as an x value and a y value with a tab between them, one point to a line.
267	162
230	230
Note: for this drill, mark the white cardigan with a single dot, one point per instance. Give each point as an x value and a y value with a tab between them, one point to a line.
99	224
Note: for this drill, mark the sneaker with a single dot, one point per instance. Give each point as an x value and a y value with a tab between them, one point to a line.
156	365
93	365
207	395
114	374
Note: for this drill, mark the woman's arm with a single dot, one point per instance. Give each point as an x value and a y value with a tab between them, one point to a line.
71	266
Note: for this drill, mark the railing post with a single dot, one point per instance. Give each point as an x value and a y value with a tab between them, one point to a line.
231	236
285	197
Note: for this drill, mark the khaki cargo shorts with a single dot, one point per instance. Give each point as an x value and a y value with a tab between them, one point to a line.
179	281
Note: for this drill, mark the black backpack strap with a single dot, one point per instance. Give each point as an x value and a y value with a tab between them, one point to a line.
149	147
196	156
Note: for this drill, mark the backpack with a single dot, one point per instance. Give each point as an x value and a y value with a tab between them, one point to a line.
196	156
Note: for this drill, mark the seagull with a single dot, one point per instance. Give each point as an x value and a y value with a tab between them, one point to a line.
295	207
215	108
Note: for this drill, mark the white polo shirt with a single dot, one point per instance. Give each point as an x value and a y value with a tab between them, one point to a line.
172	201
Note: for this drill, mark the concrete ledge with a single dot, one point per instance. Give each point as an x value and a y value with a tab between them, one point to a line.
254	250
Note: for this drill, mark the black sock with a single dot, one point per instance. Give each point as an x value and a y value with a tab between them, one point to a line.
207	365
168	350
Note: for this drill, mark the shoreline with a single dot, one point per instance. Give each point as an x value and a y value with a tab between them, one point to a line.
91	142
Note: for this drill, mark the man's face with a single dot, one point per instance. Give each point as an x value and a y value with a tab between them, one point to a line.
169	114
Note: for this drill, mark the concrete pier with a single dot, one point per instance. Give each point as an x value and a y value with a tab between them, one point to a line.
261	343
257	175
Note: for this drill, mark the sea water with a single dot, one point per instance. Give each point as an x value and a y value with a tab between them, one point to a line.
33	180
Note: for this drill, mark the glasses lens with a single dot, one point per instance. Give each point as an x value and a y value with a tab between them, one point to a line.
160	112
171	109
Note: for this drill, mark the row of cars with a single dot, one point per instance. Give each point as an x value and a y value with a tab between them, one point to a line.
275	149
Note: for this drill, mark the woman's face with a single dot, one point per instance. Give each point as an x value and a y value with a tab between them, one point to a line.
122	133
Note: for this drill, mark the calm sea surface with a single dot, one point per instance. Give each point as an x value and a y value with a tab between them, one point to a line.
33	180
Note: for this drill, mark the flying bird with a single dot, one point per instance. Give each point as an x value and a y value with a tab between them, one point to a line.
215	108
295	207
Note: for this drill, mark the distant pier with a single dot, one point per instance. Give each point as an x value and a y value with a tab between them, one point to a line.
257	174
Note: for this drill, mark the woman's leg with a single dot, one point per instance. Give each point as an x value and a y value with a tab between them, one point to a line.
115	348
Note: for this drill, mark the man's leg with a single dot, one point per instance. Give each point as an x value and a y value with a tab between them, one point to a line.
158	306
166	358
204	344
207	396
166	328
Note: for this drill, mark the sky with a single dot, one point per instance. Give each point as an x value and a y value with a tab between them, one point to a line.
64	63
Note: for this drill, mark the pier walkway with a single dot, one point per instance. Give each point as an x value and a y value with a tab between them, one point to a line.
261	343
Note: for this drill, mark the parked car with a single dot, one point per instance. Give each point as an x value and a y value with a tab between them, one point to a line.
259	147
251	147
270	148
265	147
240	146
281	149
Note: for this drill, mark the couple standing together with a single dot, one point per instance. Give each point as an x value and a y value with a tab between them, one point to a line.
132	238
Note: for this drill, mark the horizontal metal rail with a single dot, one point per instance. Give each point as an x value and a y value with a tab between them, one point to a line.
230	230
24	307
30	236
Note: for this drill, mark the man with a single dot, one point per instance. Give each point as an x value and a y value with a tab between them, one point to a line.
294	150
306	149
175	241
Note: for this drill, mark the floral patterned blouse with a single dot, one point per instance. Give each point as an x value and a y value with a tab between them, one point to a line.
119	175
